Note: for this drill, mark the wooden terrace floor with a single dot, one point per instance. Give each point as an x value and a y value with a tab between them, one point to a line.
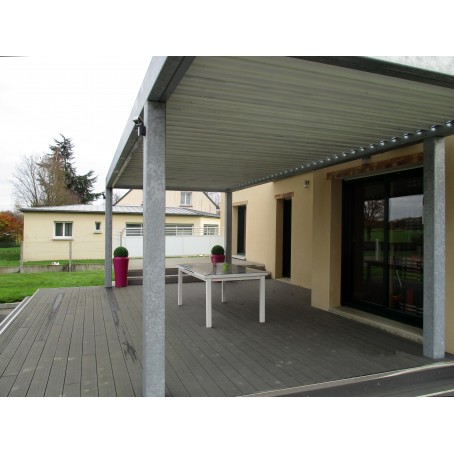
87	341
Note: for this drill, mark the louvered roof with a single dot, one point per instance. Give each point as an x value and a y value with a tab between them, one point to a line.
234	122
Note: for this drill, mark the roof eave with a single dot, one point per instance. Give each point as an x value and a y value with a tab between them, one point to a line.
161	79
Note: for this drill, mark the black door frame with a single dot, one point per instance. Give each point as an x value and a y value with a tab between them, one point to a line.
287	238
241	230
347	251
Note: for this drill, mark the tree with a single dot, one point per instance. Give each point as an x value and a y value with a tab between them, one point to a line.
373	215
215	197
51	179
26	182
82	185
11	227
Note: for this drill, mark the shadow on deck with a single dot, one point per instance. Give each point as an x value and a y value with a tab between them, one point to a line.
88	342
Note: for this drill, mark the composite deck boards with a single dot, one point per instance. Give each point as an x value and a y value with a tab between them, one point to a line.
250	345
88	342
56	381
123	385
229	365
104	373
41	374
27	334
231	355
130	356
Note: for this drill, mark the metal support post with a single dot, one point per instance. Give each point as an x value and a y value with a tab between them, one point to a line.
108	240
154	249
434	248
228	227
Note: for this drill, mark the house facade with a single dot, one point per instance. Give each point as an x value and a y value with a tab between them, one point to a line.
352	233
197	200
77	232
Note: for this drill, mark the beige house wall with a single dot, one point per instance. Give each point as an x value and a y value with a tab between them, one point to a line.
449	244
132	198
200	201
264	226
39	242
317	229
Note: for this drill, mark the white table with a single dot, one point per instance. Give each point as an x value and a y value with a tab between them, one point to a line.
222	272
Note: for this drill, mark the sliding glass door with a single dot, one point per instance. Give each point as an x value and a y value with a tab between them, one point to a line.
383	245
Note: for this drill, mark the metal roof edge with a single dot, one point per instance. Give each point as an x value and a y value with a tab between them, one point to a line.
387	68
162	77
119	209
390	144
61	210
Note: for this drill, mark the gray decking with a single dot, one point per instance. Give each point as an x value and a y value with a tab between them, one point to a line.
87	342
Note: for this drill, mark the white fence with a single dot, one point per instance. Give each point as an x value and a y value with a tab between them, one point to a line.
177	243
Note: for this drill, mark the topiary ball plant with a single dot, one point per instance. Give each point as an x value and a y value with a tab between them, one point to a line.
217	250
121	251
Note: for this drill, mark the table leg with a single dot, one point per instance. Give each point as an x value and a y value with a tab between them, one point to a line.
208	303
222	292
180	287
262	300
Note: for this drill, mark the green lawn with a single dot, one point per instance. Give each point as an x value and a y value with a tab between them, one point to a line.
15	287
10	256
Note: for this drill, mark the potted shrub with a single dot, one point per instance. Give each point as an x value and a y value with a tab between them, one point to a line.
121	262
217	254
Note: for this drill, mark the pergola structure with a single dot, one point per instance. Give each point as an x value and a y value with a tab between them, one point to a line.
228	123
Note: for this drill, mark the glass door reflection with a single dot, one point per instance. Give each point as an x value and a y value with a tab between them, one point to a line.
405	254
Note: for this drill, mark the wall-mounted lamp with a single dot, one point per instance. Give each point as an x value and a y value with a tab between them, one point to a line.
141	130
306	183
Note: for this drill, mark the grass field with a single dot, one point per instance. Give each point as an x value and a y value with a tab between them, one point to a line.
15	287
10	256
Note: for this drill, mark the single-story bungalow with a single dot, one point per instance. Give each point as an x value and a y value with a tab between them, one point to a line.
76	232
337	174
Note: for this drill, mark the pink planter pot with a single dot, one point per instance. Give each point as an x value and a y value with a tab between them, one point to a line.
121	271
217	258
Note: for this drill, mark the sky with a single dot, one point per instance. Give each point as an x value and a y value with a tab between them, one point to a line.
87	99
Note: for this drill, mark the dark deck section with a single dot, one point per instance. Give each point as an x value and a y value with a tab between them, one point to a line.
88	342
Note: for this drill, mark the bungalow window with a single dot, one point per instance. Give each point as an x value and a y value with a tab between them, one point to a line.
179	229
63	230
97	227
134	229
186	199
210	229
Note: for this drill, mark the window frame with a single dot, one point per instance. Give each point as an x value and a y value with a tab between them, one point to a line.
179	229
210	229
184	196
138	226
64	225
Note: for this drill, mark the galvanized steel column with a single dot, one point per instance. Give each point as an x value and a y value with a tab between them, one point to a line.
228	227
434	248
154	249
108	240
